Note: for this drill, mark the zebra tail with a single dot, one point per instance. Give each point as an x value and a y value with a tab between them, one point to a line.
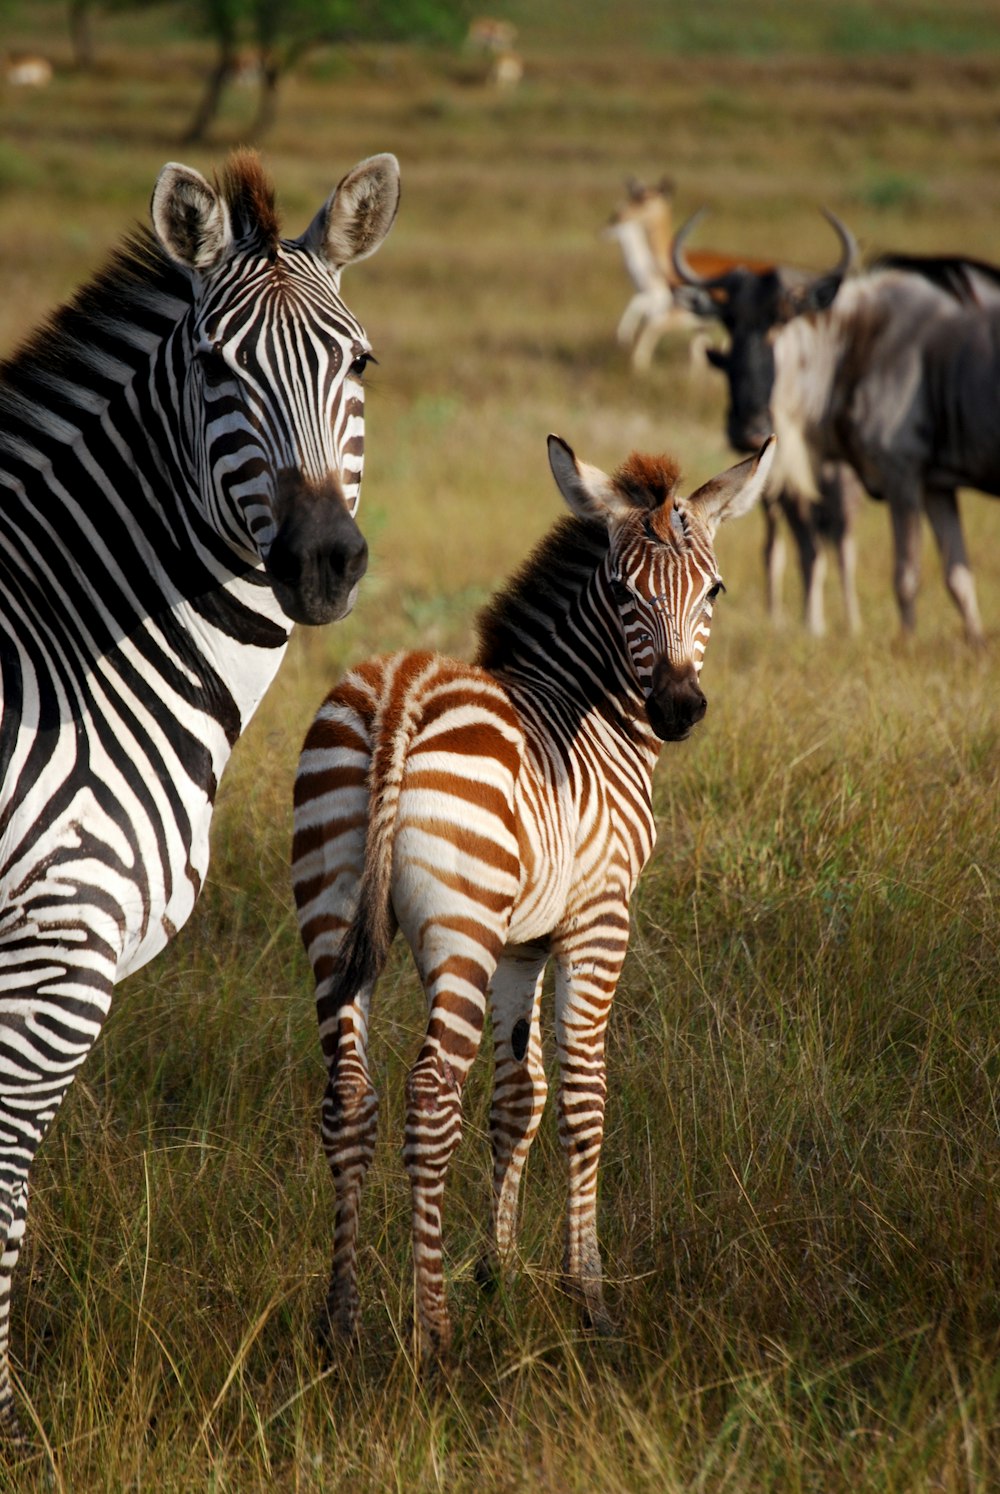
370	935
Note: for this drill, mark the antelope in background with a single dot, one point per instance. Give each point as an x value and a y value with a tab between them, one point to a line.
642	225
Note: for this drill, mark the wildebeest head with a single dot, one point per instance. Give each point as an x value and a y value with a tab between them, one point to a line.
750	304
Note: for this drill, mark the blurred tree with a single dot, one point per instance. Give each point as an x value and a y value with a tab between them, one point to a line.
81	32
278	32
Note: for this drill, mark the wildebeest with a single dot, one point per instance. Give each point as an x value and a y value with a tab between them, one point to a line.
749	299
894	371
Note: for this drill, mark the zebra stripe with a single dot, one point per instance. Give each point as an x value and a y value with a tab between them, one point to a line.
500	814
180	461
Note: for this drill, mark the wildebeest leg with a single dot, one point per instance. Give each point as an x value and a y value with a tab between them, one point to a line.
946	522
906	535
774	558
841	496
519	1090
802	521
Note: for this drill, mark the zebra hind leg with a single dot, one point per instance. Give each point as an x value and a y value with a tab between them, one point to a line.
349	1124
457	999
519	1091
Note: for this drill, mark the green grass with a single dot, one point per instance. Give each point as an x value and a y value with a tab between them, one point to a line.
799	1206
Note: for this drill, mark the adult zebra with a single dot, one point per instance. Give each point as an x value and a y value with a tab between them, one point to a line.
180	460
500	813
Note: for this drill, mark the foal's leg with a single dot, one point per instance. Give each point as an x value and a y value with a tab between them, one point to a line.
349	1123
589	959
328	852
455	979
519	1090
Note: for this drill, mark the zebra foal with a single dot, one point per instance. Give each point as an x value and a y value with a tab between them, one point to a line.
500	813
181	452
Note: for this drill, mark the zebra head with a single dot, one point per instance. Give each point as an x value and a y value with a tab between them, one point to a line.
271	364
660	577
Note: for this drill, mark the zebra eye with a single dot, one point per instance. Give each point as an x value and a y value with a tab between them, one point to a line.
713	591
360	363
213	365
620	592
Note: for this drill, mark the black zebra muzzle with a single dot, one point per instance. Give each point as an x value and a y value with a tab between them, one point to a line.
676	703
318	555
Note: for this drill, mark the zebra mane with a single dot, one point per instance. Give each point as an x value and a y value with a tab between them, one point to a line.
133	301
250	195
541	592
647	481
96	339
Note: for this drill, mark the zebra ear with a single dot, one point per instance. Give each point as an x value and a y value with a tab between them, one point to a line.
190	218
589	493
358	214
733	492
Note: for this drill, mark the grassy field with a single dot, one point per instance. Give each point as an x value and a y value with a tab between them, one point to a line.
799	1207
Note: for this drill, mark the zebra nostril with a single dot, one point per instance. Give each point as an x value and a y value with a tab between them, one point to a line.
350	560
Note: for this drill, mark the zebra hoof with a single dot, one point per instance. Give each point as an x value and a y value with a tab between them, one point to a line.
487	1275
335	1335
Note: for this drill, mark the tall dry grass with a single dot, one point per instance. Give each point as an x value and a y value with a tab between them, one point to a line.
799	1201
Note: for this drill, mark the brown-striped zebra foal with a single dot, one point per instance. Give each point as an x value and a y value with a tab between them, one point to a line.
500	813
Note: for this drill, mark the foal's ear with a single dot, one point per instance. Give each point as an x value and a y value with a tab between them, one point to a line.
587	491
190	218
733	492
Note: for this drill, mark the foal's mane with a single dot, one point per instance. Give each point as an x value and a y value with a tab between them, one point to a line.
542	590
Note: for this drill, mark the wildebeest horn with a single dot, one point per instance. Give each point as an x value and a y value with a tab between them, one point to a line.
848	244
682	269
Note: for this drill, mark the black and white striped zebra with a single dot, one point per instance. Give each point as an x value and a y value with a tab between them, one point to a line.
500	813
180	461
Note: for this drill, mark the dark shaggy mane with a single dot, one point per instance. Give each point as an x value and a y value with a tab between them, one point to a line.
541	591
139	287
949	272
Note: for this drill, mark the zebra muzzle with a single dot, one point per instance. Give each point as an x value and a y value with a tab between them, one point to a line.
676	703
318	555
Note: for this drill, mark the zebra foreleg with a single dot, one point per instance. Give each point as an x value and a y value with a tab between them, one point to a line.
585	985
349	1125
13	1219
519	1091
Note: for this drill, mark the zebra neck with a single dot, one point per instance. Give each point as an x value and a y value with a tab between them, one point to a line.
98	509
564	648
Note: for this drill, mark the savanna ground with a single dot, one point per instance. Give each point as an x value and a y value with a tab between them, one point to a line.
799	1206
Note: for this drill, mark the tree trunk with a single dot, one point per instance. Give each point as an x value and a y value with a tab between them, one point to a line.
221	74
80	35
267	103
